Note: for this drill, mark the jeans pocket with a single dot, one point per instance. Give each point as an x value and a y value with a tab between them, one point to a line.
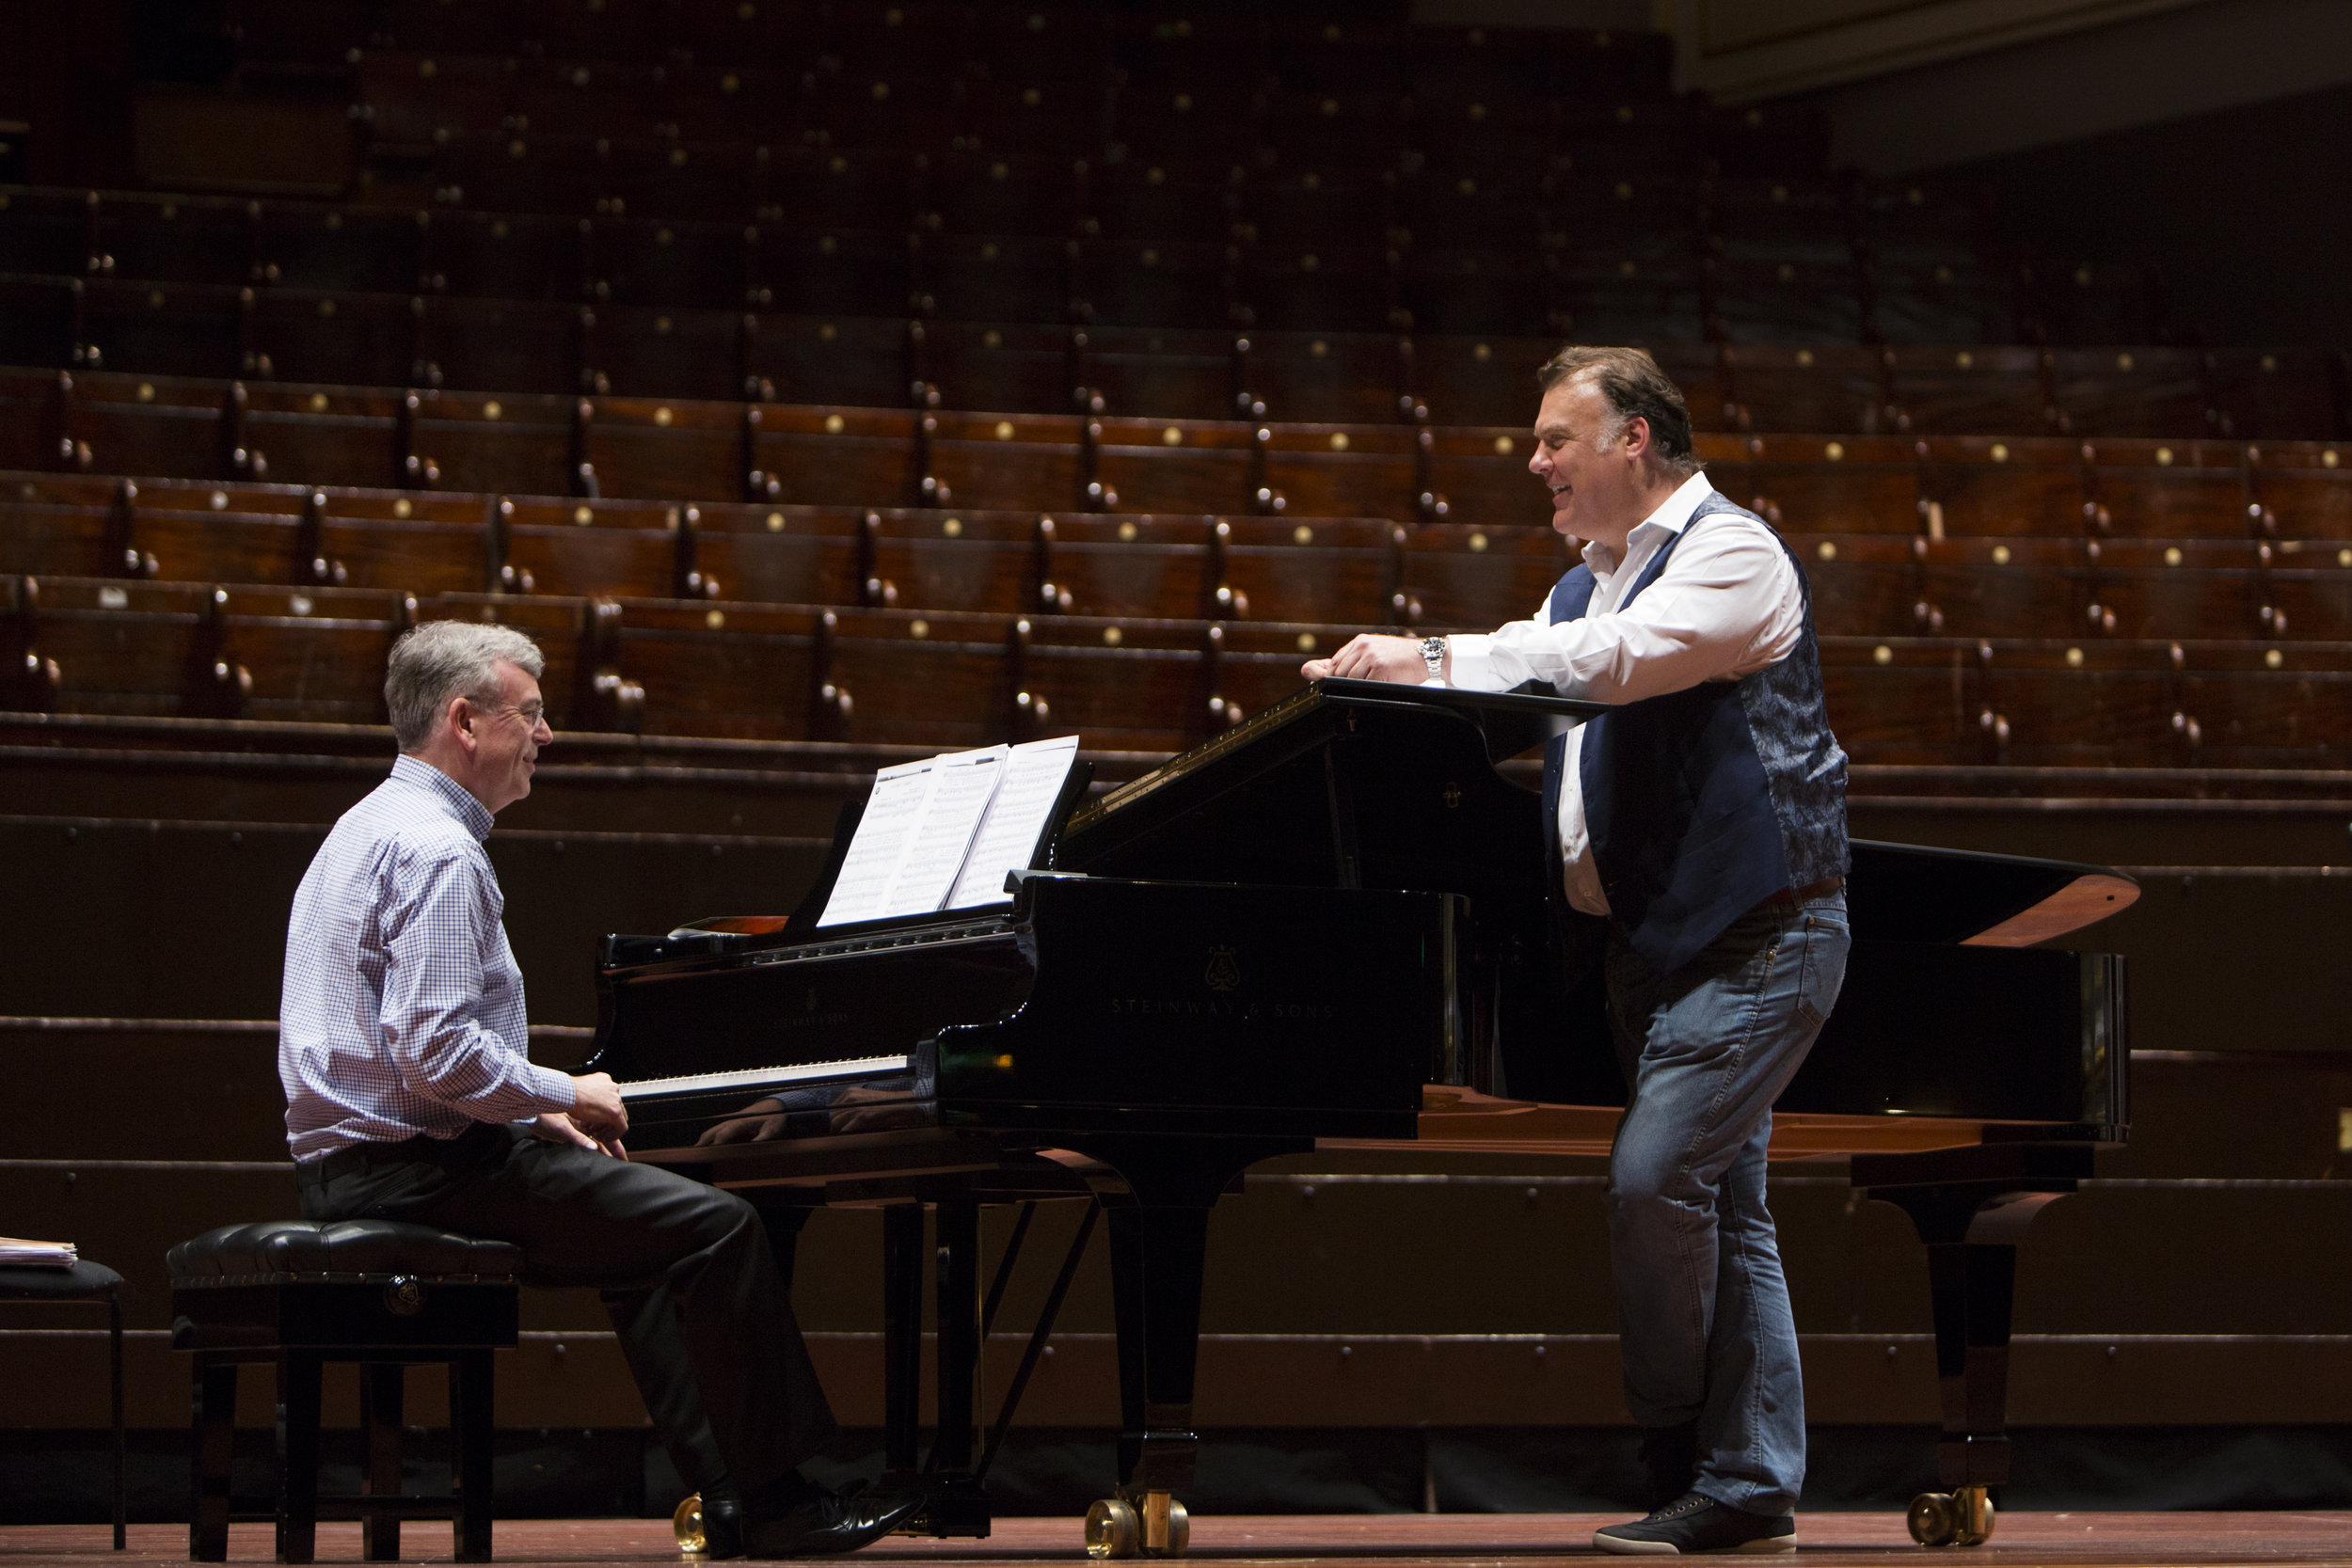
1822	971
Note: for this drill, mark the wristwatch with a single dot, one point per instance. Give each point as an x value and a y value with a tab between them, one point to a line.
1433	655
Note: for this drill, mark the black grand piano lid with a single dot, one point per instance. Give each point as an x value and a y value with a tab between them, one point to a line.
1506	724
1898	892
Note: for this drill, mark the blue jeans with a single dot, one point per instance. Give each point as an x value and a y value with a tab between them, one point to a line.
1703	1313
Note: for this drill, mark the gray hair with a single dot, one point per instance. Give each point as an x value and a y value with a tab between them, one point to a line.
433	663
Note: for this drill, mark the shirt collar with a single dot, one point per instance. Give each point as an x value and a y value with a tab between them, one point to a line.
1672	516
453	796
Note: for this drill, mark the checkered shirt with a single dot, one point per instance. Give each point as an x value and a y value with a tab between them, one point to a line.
403	1008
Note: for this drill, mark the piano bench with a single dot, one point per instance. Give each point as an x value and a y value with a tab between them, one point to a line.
295	1296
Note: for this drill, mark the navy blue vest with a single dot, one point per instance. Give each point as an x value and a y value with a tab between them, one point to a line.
1701	804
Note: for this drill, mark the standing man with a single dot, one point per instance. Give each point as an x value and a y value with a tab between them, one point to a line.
409	1096
1706	818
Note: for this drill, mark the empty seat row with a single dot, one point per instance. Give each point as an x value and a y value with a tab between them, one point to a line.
890	361
1598	294
414	99
1455	576
763	672
2065	704
816	229
689	451
550	218
1144	565
981	42
686	449
201	239
944	678
2039	588
1048	283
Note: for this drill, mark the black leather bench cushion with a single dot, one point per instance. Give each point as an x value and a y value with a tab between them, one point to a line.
85	1279
285	1252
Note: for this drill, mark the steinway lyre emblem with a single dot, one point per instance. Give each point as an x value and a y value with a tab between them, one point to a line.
1224	972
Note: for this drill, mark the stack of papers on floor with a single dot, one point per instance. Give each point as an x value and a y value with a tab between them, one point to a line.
15	1251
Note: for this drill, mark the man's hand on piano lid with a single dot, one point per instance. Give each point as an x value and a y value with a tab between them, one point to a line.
556	1128
1373	657
598	1111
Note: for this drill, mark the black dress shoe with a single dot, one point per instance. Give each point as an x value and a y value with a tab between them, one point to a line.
723	1528
828	1524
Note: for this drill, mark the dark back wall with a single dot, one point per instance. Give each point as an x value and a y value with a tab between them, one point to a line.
2241	210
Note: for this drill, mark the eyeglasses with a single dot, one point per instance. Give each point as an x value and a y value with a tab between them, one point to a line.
532	714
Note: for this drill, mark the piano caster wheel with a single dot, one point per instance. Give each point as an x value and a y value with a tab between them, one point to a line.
1117	1527
1167	1528
1112	1529
687	1524
1961	1517
1931	1519
1974	1505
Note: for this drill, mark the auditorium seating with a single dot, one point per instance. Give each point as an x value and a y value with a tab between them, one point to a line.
1191	331
899	675
127	647
2006	532
657	308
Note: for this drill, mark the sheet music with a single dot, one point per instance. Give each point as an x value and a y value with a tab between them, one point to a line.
17	1251
892	813
1034	775
962	784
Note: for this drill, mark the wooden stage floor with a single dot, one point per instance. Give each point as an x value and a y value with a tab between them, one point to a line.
1389	1540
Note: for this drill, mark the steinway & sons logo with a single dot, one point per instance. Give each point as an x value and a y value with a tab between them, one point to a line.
1220	979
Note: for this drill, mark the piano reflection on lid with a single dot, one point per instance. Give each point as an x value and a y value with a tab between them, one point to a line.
1359	845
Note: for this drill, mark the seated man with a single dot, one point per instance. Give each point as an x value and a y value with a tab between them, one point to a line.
409	1097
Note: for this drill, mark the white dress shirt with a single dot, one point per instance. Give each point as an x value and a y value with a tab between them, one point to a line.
402	1011
1727	604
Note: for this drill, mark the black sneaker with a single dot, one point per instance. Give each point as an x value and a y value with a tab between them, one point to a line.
1692	1523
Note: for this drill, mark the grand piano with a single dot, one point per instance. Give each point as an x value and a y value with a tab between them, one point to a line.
1331	926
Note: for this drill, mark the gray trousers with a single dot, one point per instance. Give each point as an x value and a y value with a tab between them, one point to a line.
704	1315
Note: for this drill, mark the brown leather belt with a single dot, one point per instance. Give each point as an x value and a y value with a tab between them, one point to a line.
1789	897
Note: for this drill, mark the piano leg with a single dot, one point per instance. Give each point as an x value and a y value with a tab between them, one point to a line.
953	1500
954	1503
783	1221
1157	1256
1158	1215
902	1345
1971	1210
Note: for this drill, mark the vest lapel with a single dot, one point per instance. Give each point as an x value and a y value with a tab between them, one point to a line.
1570	597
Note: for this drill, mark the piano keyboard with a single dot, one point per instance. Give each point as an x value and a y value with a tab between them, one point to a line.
765	1077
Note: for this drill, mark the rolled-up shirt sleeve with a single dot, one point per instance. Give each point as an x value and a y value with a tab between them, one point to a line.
446	959
1729	604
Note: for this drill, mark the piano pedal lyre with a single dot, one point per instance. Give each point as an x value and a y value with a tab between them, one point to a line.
1960	1517
686	1525
1117	1527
